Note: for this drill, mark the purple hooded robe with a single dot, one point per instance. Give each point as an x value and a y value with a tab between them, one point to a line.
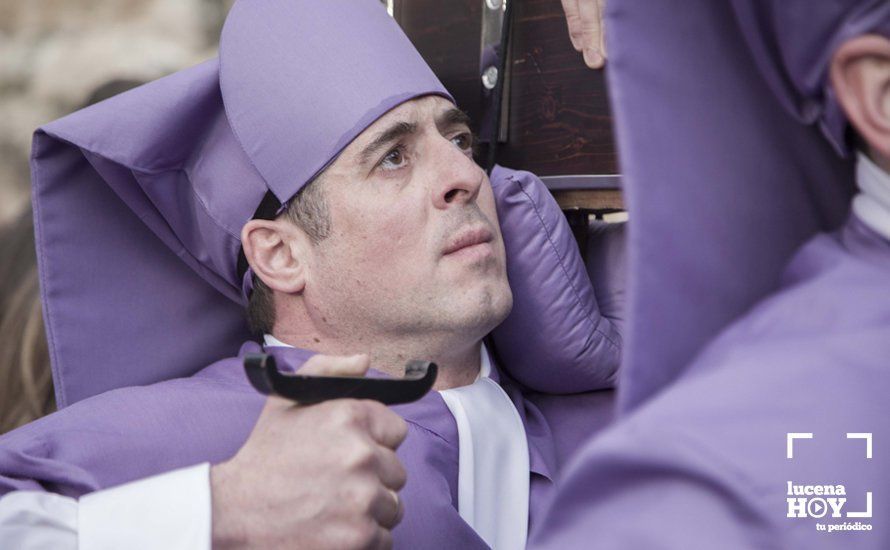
138	206
756	373
135	432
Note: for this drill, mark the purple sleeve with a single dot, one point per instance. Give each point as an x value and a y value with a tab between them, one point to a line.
128	434
631	494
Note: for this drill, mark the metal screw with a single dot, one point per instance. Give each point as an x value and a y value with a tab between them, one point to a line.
490	77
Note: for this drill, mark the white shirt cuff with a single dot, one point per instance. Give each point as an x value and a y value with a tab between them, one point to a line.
170	511
33	519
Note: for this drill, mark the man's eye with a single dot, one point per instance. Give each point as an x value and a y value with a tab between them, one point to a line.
394	159
463	141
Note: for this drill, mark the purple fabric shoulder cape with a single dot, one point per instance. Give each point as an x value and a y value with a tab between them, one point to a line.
131	433
753	399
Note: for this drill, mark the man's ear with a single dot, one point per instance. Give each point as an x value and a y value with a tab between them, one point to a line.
276	251
860	76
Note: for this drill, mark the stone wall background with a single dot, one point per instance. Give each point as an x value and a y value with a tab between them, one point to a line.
55	53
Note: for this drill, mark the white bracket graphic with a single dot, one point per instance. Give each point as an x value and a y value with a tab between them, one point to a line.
867	512
791	436
867	438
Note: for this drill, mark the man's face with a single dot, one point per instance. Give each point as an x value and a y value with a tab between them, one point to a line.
415	246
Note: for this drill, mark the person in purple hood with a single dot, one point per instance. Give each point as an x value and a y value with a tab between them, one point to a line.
318	173
752	400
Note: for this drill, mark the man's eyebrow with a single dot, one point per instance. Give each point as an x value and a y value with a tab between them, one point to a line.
381	140
452	117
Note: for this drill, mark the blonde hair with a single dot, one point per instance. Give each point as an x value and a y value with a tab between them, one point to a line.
26	387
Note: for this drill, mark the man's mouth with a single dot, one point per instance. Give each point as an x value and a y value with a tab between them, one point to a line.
470	240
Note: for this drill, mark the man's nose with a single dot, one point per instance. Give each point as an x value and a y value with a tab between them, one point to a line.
456	178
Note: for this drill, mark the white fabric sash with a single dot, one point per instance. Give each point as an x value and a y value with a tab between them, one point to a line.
493	479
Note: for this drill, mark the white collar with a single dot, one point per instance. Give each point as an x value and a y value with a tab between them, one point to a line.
272	342
872	204
484	364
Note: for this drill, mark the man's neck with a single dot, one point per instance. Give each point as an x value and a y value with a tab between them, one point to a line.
459	365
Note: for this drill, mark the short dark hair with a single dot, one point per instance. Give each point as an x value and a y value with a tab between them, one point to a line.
308	210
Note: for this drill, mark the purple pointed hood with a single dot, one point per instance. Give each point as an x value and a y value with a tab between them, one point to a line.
734	153
139	200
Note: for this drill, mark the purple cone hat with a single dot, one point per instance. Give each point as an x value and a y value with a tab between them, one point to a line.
745	161
139	200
